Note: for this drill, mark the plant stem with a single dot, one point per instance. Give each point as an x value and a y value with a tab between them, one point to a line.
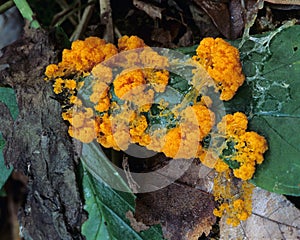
26	12
84	21
66	8
106	19
6	6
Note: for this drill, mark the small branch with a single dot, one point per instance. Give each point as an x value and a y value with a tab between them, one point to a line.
66	9
131	182
117	32
60	17
106	19
6	6
88	11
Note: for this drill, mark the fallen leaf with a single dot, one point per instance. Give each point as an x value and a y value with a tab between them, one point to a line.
219	13
241	14
270	98
171	31
203	22
153	11
199	176
273	217
161	35
9	112
284	2
186	39
183	211
237	21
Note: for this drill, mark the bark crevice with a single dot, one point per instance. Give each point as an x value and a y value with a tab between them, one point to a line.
38	144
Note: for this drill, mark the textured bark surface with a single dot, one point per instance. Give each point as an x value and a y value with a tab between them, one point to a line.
38	144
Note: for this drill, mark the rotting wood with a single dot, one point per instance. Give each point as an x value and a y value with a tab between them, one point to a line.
38	144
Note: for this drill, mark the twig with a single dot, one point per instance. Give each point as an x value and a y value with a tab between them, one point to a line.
6	6
66	8
88	11
131	182
106	19
60	17
117	32
79	12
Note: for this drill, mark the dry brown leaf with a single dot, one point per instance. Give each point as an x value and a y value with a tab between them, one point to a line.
237	20
199	177
286	2
242	14
162	36
183	211
273	217
186	39
153	11
219	13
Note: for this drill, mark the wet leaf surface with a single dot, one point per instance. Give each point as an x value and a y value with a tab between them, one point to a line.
107	207
271	64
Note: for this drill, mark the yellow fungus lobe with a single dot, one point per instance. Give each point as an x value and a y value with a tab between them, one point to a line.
249	146
129	83
129	43
121	92
222	62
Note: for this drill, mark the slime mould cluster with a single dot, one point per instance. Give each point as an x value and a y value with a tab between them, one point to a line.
108	96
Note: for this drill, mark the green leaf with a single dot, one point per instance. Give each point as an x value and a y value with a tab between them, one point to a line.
228	154
271	100
180	83
8	97
106	206
191	50
179	94
26	12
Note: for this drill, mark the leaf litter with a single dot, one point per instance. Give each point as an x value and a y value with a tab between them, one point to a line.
273	217
208	188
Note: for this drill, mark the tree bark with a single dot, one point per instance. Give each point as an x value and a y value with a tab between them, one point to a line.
38	145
